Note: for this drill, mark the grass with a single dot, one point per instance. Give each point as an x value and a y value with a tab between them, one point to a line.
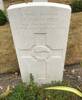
76	5
36	92
3	18
8	60
74	51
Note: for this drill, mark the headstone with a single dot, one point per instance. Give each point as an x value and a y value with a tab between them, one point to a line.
1	5
40	33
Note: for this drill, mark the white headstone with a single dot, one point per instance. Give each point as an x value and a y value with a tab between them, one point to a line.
1	5
40	33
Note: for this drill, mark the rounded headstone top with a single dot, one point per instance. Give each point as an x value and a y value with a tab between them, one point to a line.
46	4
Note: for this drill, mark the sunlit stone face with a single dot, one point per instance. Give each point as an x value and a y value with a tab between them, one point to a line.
40	33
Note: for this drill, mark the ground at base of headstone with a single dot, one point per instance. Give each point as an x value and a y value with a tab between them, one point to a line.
72	77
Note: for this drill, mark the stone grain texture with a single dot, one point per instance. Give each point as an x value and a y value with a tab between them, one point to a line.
40	34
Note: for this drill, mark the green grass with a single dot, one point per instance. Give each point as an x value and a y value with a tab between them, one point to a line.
35	92
76	5
3	18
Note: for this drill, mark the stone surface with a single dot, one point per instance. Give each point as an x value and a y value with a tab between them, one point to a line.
1	5
40	33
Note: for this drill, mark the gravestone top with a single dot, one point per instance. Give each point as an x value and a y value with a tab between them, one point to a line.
46	4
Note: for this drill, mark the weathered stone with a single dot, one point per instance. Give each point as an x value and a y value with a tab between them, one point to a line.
40	33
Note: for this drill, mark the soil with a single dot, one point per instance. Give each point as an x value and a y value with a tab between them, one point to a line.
73	75
10	79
